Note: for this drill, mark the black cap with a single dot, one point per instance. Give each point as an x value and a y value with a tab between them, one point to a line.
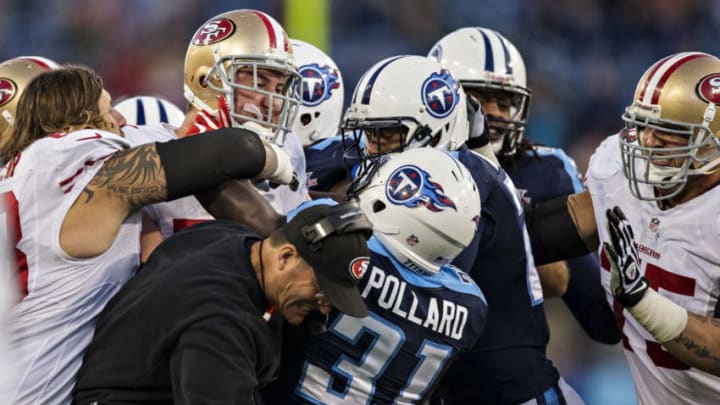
333	241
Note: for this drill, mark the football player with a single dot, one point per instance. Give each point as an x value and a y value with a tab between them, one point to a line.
74	188
651	194
233	79
240	71
492	71
499	259
423	312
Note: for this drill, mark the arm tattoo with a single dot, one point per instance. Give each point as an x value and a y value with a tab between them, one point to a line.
701	351
134	175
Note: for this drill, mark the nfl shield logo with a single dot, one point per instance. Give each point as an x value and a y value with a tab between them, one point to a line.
654	223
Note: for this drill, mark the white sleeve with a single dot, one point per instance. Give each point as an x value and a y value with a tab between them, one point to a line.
80	154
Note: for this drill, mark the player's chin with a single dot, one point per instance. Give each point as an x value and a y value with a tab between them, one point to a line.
296	316
295	312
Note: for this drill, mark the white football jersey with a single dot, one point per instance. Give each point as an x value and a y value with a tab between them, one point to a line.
174	215
680	258
53	322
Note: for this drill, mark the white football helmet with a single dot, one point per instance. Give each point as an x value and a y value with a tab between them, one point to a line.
482	59
144	110
235	40
677	95
415	94
15	75
322	94
424	207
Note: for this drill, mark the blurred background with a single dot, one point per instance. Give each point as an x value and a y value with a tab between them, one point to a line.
583	58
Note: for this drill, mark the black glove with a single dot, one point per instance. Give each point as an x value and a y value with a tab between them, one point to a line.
627	284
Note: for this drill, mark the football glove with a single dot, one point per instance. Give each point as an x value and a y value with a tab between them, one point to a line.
626	282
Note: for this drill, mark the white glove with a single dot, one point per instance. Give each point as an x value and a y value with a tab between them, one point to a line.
284	172
264	133
478	124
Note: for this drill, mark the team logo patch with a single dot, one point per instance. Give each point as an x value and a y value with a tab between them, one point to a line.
7	90
440	94
214	31
318	83
654	224
709	88
412	187
358	267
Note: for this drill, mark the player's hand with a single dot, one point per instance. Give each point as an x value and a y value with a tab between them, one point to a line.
206	121
479	127
284	172
626	282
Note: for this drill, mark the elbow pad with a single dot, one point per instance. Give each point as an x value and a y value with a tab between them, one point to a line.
553	234
198	163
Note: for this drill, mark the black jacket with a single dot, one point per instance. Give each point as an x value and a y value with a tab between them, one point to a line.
187	329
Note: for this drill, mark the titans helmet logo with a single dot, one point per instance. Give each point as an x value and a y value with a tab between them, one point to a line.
440	94
412	187
214	31
318	83
7	90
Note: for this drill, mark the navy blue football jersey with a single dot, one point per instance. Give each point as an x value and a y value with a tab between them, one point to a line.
552	174
508	363
325	165
418	324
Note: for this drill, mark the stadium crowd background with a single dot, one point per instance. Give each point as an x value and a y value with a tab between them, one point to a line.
583	58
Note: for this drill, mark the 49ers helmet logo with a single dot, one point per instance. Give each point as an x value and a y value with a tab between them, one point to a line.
214	31
7	90
709	88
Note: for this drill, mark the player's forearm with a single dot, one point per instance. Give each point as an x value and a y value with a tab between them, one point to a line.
585	298
238	201
562	228
554	278
691	338
699	344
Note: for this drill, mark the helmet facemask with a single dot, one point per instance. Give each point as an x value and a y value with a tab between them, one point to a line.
222	79
669	175
408	133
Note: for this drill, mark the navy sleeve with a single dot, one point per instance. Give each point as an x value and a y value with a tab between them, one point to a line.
585	297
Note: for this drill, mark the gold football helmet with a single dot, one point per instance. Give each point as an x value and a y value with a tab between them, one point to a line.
242	39
677	95
15	74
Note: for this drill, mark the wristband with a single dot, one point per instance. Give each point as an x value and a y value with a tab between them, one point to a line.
664	319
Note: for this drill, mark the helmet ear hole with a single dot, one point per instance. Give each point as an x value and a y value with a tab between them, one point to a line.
455	175
203	83
305	118
317	114
378	206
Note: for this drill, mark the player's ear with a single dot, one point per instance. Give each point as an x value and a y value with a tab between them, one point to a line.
287	256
